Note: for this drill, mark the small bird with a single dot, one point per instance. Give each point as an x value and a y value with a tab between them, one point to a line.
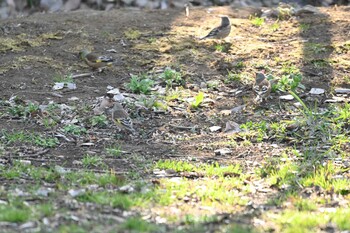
262	87
120	117
221	31
94	61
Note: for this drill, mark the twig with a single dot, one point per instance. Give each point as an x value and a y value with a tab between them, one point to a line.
183	127
83	75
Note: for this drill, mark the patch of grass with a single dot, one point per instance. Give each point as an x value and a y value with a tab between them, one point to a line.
304	27
257	21
213	84
72	228
304	204
172	77
99	121
44	210
83	178
289	68
233	77
132	34
30	138
224	48
115	200
207	169
74	129
92	161
299	222
256	130
320	63
208	192
315	48
140	84
63	78
114	151
323	177
36	173
275	26
14	213
234	228
136	224
21	110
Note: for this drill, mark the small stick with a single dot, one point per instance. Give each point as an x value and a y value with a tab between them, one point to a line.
82	75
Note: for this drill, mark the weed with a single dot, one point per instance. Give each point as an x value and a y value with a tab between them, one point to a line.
224	48
135	224
31	138
257	130
288	68
91	161
288	82
213	84
63	79
10	213
115	200
71	228
114	151
172	77
275	26
99	121
304	27
257	21
140	84
197	100
237	77
23	110
318	64
315	48
74	129
132	34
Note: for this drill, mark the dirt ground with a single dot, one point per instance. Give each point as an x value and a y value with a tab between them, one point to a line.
37	49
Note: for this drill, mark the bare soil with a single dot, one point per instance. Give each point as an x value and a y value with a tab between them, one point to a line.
40	47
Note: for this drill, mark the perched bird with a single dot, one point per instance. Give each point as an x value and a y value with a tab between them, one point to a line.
121	118
221	31
94	61
262	87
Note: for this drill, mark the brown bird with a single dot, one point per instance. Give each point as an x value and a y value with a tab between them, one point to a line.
95	61
262	87
221	31
120	117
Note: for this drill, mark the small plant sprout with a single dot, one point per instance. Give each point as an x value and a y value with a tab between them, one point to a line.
114	151
140	84
172	77
257	21
197	100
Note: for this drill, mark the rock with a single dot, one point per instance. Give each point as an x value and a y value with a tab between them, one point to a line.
335	99
43	191
127	189
238	109
214	128
308	9
232	127
27	225
76	192
71	5
342	90
286	97
223	151
317	91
